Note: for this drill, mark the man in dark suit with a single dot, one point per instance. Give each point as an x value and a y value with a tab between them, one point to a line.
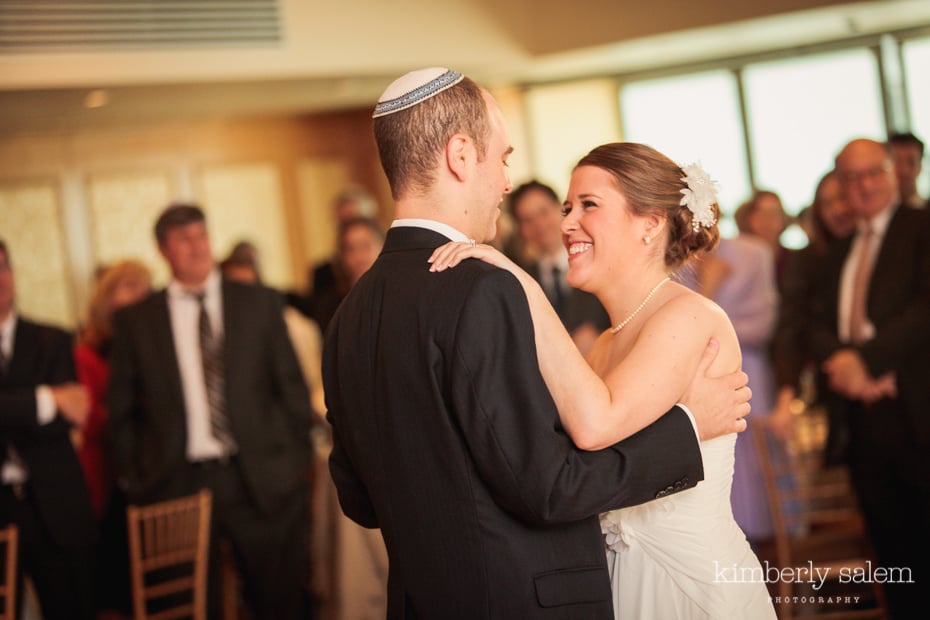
872	332
206	392
42	490
537	212
444	434
908	154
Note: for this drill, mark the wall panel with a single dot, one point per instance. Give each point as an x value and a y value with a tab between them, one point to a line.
31	225
243	203
124	207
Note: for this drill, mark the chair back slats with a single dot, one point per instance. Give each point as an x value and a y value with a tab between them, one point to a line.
170	558
170	533
816	518
170	536
175	613
9	544
170	587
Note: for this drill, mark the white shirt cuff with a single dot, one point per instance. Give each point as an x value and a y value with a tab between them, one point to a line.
690	417
45	405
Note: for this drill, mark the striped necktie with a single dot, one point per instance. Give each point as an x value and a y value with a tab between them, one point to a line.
211	352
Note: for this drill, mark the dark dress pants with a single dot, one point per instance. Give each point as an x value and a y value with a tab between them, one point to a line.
271	550
891	475
62	575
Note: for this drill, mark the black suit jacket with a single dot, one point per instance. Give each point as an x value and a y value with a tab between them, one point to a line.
266	399
898	304
42	355
446	438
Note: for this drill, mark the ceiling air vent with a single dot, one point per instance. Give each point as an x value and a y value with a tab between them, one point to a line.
73	25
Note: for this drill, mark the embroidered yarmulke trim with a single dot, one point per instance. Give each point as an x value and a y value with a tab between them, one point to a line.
437	85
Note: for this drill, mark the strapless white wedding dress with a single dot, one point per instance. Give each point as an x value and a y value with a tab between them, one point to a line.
683	556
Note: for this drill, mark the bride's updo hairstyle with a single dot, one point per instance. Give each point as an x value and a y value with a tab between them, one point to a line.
652	184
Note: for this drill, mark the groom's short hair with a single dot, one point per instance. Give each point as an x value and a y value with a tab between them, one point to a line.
411	141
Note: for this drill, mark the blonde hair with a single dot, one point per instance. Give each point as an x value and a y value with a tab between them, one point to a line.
98	324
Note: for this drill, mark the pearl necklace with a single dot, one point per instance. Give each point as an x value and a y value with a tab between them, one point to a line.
622	324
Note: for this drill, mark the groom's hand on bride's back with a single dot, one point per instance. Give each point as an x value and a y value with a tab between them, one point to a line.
719	404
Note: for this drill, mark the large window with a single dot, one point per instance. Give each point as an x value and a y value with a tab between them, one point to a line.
800	112
794	115
694	118
916	56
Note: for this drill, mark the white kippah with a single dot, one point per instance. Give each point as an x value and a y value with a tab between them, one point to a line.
414	87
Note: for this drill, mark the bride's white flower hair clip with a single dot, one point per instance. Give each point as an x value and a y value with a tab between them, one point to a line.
699	196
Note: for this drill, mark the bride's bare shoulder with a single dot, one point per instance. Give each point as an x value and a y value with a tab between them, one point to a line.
686	304
704	316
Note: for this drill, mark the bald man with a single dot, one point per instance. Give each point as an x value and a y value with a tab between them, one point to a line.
872	333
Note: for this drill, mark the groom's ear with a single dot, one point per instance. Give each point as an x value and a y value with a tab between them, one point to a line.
458	154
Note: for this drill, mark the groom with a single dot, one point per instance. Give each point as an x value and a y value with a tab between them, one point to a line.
444	434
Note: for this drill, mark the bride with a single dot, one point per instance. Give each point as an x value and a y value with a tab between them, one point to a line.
632	217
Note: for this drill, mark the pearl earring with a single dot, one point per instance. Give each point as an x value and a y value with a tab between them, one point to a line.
647	239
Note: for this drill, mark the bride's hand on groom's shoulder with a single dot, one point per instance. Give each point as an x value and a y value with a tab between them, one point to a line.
719	404
452	253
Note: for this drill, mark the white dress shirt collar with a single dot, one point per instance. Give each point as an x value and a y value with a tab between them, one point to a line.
7	334
879	223
439	227
211	287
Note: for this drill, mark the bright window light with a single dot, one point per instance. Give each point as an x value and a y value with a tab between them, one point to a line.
801	111
916	69
692	118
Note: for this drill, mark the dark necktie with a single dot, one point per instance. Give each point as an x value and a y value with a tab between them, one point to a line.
558	292
211	352
4	359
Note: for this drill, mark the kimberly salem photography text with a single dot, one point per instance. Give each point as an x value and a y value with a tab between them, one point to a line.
816	576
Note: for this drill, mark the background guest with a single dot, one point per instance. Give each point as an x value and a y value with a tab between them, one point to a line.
764	216
225	408
351	203
119	285
537	211
908	152
42	490
871	333
831	220
359	243
242	265
349	576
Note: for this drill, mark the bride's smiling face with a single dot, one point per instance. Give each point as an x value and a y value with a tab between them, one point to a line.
599	230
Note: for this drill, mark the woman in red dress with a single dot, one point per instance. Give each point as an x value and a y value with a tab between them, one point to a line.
119	285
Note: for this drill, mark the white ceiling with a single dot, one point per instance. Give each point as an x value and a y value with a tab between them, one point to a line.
337	55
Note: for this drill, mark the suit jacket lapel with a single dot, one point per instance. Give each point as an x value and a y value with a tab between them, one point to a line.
887	269
25	350
233	319
160	323
885	251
